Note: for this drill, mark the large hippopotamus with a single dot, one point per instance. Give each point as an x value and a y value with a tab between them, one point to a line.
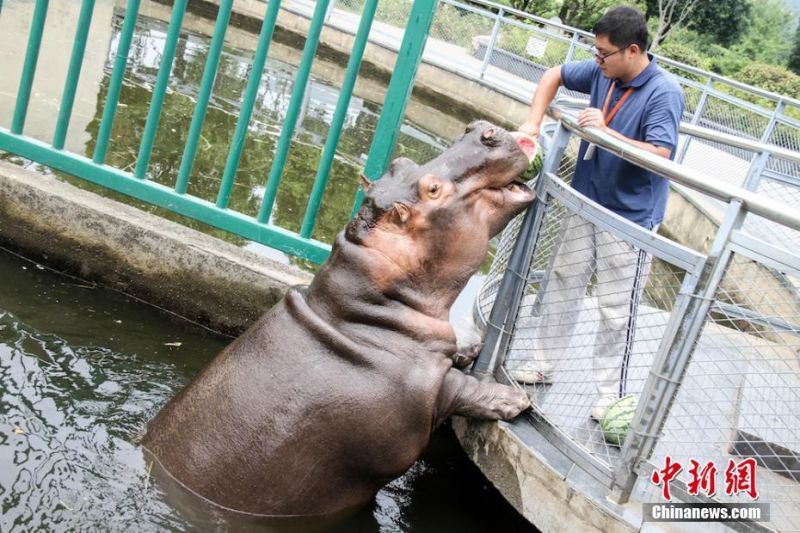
335	390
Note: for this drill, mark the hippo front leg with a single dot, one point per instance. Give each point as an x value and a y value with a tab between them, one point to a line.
464	395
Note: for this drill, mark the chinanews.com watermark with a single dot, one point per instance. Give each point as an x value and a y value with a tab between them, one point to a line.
739	479
706	512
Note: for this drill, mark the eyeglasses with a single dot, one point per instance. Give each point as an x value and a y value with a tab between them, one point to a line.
601	58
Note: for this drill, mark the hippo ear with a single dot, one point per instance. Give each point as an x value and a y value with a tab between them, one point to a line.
401	166
366	184
399	213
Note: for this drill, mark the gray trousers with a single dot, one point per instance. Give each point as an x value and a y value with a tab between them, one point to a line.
621	274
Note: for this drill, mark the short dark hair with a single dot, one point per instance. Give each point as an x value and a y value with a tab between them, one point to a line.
623	26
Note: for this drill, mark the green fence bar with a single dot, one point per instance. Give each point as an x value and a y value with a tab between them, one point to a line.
115	85
159	195
321	180
160	89
73	73
29	68
295	103
246	111
203	96
400	86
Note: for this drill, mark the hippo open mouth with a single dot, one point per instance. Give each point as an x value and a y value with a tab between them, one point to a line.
514	184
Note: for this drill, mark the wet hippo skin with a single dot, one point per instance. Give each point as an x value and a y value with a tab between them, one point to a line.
335	391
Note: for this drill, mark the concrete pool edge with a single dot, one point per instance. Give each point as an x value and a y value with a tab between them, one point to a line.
195	275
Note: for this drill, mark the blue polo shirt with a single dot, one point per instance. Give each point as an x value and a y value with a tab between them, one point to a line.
652	114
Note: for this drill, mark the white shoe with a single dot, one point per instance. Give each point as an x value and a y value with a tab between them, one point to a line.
528	372
603	403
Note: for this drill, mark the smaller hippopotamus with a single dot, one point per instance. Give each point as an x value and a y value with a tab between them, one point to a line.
335	390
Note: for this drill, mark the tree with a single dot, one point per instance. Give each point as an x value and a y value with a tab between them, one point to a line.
584	13
724	20
772	78
670	13
769	37
794	59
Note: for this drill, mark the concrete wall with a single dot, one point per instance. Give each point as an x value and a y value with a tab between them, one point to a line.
185	271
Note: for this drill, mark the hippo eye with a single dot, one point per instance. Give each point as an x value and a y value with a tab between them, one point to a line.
433	190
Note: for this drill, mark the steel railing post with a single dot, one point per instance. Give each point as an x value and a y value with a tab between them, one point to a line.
675	352
698	112
492	41
398	93
573	44
515	278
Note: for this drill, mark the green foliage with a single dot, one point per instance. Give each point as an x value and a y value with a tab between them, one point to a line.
769	37
723	20
772	78
584	13
540	8
684	53
457	25
794	59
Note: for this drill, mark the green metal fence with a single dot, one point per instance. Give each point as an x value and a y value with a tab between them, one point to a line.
136	183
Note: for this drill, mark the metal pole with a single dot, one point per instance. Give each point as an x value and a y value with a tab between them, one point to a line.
292	114
573	43
335	131
203	96
675	352
29	67
73	73
492	40
398	93
512	286
698	112
248	101
160	89
115	85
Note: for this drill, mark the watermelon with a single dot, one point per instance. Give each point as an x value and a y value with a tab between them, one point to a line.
617	420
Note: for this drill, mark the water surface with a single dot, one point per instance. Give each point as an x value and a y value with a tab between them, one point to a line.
82	369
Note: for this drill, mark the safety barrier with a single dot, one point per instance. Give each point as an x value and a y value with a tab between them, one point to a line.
135	182
712	350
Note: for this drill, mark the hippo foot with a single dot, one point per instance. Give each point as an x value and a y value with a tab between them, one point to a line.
465	356
506	402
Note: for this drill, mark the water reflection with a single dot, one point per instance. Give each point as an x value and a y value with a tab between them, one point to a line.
82	370
269	113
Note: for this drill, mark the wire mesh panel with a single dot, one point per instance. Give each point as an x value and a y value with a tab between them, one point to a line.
740	395
462	27
575	331
718	160
491	284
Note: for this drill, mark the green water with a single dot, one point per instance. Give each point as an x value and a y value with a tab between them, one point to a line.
82	369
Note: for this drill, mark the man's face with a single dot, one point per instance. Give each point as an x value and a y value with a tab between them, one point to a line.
614	61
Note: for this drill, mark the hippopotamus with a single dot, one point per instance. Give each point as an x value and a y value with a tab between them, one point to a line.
336	389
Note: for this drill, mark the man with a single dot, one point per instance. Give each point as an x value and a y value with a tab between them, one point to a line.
631	98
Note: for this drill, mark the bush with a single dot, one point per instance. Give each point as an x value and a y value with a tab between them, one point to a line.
772	78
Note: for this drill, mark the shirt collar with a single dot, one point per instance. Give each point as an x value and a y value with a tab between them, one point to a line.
644	76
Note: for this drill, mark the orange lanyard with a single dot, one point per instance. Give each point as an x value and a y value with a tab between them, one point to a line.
616	107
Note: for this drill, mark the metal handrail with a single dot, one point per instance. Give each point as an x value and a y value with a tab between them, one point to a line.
700	132
688	68
678	173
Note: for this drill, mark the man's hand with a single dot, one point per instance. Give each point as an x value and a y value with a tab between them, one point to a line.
529	128
591	117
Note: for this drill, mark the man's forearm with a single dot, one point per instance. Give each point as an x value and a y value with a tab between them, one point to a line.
545	93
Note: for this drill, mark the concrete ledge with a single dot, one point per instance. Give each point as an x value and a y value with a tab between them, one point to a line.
195	275
537	488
